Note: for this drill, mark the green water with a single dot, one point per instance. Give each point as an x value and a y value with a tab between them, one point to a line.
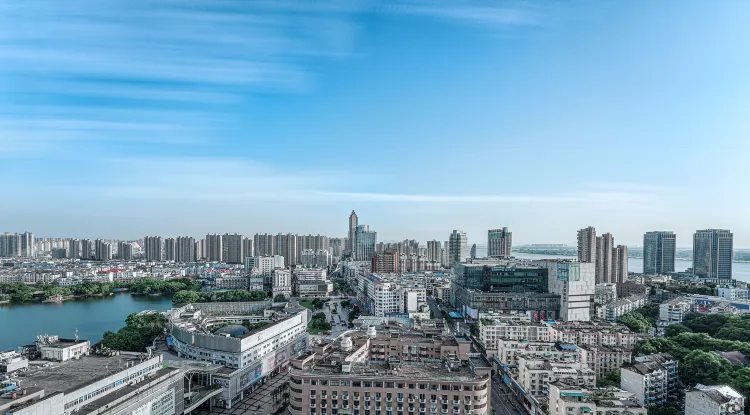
21	323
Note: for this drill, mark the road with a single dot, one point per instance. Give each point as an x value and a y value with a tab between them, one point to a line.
503	401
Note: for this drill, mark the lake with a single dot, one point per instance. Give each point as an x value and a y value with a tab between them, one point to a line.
740	270
21	323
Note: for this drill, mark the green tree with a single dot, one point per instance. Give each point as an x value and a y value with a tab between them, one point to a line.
611	378
704	367
676	329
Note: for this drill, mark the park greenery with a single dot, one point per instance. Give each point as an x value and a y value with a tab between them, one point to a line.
318	324
139	333
246	323
34	292
642	319
694	342
186	297
314	304
151	286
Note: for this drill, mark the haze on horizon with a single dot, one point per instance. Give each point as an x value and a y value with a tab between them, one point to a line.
183	118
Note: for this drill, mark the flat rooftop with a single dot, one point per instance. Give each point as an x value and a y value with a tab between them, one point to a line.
63	343
74	374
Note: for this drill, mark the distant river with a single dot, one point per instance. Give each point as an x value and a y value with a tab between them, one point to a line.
21	323
740	270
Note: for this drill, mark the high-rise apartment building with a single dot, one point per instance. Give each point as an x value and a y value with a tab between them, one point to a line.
152	248
473	251
659	251
286	246
74	249
365	241
587	245
247	246
170	249
337	246
231	249
604	246
713	253
499	243
87	249
575	283
619	264
434	251
353	224
102	250
185	249
200	249
457	247
265	244
213	248
386	262
125	251
17	245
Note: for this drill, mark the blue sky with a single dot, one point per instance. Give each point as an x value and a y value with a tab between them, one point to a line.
125	118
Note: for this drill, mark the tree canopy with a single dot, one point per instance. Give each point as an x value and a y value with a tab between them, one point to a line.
138	334
185	297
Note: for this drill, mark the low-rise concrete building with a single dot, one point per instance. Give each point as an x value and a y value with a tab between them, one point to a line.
653	379
714	400
573	400
62	350
11	361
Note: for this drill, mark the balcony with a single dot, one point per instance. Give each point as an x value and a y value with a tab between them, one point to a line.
411	400
367	399
399	399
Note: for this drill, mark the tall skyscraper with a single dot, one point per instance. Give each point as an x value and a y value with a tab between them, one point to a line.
713	254
434	251
286	246
185	249
231	248
170	249
353	224
659	251
587	245
365	240
200	249
604	246
27	245
619	264
473	251
17	245
457	247
213	248
499	243
152	248
125	251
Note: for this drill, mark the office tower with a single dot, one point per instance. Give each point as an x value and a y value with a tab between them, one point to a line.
102	250
619	264
247	246
386	262
353	223
74	249
434	251
87	249
184	249
213	248
365	241
713	253
152	248
457	247
231	248
264	244
604	246
587	245
499	243
125	251
659	251
170	249
473	251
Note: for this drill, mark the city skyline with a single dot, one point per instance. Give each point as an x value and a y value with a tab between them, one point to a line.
139	125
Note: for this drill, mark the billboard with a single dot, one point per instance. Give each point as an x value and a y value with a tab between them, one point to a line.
471	313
